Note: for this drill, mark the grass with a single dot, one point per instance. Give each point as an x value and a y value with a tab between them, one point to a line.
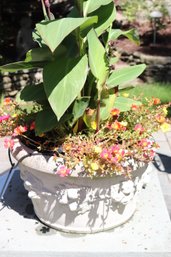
159	90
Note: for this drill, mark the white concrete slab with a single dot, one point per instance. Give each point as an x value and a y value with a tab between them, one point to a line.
148	233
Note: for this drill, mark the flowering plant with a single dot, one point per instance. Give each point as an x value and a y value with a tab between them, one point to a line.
77	113
123	143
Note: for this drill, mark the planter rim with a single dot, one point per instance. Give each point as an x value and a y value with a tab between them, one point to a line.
21	152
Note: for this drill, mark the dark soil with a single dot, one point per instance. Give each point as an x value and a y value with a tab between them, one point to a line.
162	47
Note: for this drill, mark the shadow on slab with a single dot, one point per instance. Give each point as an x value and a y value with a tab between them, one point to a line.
163	163
16	197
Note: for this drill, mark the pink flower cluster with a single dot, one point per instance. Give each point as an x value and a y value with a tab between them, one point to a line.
4	117
8	143
113	154
63	171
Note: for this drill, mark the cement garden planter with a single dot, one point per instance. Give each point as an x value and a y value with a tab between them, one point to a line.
77	204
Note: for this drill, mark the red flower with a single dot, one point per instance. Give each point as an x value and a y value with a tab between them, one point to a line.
115	112
156	101
20	130
134	107
7	101
32	125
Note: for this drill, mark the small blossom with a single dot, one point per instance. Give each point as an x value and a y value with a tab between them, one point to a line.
105	154
94	166
32	126
165	127
63	171
14	115
139	127
8	143
115	112
7	101
93	125
114	159
156	101
124	123
165	111
149	154
20	130
125	94
134	107
4	117
114	149
145	143
97	149
116	125
160	118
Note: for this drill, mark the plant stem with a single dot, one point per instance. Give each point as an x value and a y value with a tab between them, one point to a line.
79	5
116	90
98	116
44	10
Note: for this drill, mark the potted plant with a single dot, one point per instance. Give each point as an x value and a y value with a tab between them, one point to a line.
82	148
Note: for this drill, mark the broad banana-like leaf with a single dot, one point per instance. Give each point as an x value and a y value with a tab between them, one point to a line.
35	58
51	122
124	75
33	93
16	66
79	108
108	100
97	59
45	121
63	82
124	103
90	6
106	15
131	34
54	32
40	54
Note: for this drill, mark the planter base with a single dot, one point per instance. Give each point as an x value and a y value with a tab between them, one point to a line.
78	204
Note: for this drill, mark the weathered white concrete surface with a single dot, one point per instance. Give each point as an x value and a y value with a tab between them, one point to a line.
148	233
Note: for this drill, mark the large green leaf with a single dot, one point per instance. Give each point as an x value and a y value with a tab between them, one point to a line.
124	103
40	54
108	99
16	66
106	15
131	34
79	108
97	59
63	81
37	38
33	93
51	122
124	75
35	58
53	32
45	121
87	26
90	6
